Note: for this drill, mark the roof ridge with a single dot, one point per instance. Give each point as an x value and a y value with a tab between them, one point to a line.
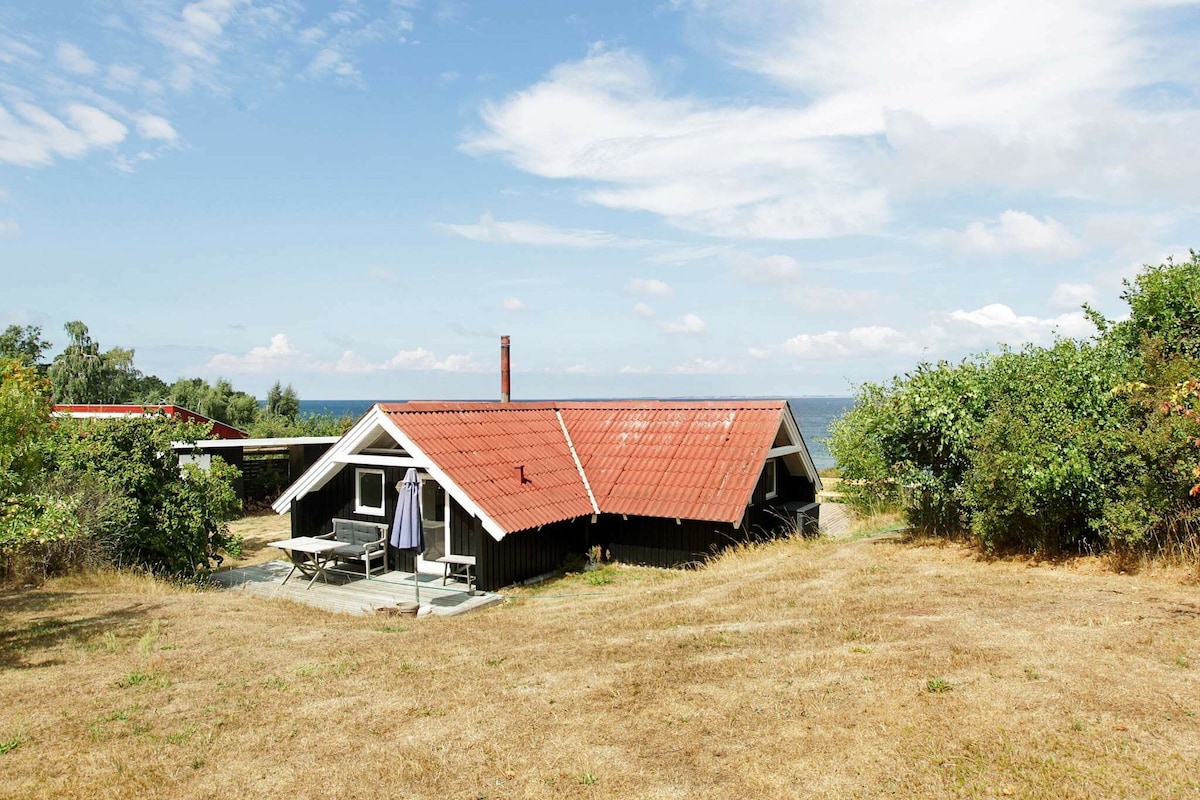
578	464
426	406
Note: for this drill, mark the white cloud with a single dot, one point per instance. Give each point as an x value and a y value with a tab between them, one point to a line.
1016	231
123	77
277	355
151	126
416	360
34	137
422	359
760	353
579	369
73	59
128	163
331	62
198	32
377	273
344	33
1011	328
603	119
706	366
351	362
1073	295
813	296
688	324
492	230
874	102
98	128
644	311
650	286
13	51
856	342
946	335
513	304
629	369
9	227
766	269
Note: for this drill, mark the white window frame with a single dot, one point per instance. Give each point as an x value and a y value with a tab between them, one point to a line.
770	468
359	508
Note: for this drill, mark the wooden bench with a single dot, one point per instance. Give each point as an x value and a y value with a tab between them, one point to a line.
361	543
453	566
459	567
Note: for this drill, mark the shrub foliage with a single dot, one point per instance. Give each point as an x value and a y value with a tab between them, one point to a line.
103	491
1079	446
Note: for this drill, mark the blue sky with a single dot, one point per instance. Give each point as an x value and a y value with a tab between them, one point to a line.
753	197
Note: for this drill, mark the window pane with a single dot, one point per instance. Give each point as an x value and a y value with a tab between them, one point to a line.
370	490
433	501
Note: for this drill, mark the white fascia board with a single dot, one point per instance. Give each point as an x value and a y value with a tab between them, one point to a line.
441	477
327	465
381	461
793	433
289	441
787	450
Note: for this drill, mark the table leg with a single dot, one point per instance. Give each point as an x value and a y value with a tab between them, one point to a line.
295	566
318	564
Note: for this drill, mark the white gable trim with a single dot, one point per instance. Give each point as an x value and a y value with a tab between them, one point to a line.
346	451
329	464
436	472
793	433
380	461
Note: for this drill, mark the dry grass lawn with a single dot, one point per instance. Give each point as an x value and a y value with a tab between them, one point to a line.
849	668
256	532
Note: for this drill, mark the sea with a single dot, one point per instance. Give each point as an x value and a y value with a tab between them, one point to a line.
813	414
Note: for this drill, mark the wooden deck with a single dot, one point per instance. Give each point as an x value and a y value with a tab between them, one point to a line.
348	594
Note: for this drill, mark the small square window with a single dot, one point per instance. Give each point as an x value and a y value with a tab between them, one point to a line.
769	484
368	492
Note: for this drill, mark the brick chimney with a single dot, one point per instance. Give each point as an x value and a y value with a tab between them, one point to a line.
505	393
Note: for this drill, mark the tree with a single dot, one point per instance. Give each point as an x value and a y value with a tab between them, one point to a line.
24	420
274	395
289	403
23	343
283	402
188	393
82	374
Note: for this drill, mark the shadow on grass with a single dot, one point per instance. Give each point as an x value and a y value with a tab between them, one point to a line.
23	643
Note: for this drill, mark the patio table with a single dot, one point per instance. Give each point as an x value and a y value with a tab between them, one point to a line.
309	555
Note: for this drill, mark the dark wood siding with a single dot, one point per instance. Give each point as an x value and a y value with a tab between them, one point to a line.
314	514
660	542
464	531
526	554
522	555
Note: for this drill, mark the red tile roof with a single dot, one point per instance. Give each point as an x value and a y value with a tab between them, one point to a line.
480	445
674	459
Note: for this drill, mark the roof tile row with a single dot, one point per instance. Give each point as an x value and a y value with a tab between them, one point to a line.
685	459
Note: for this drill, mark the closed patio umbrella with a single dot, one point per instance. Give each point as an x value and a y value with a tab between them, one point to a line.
407	530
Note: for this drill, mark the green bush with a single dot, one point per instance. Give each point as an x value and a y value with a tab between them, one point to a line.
1073	447
156	513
